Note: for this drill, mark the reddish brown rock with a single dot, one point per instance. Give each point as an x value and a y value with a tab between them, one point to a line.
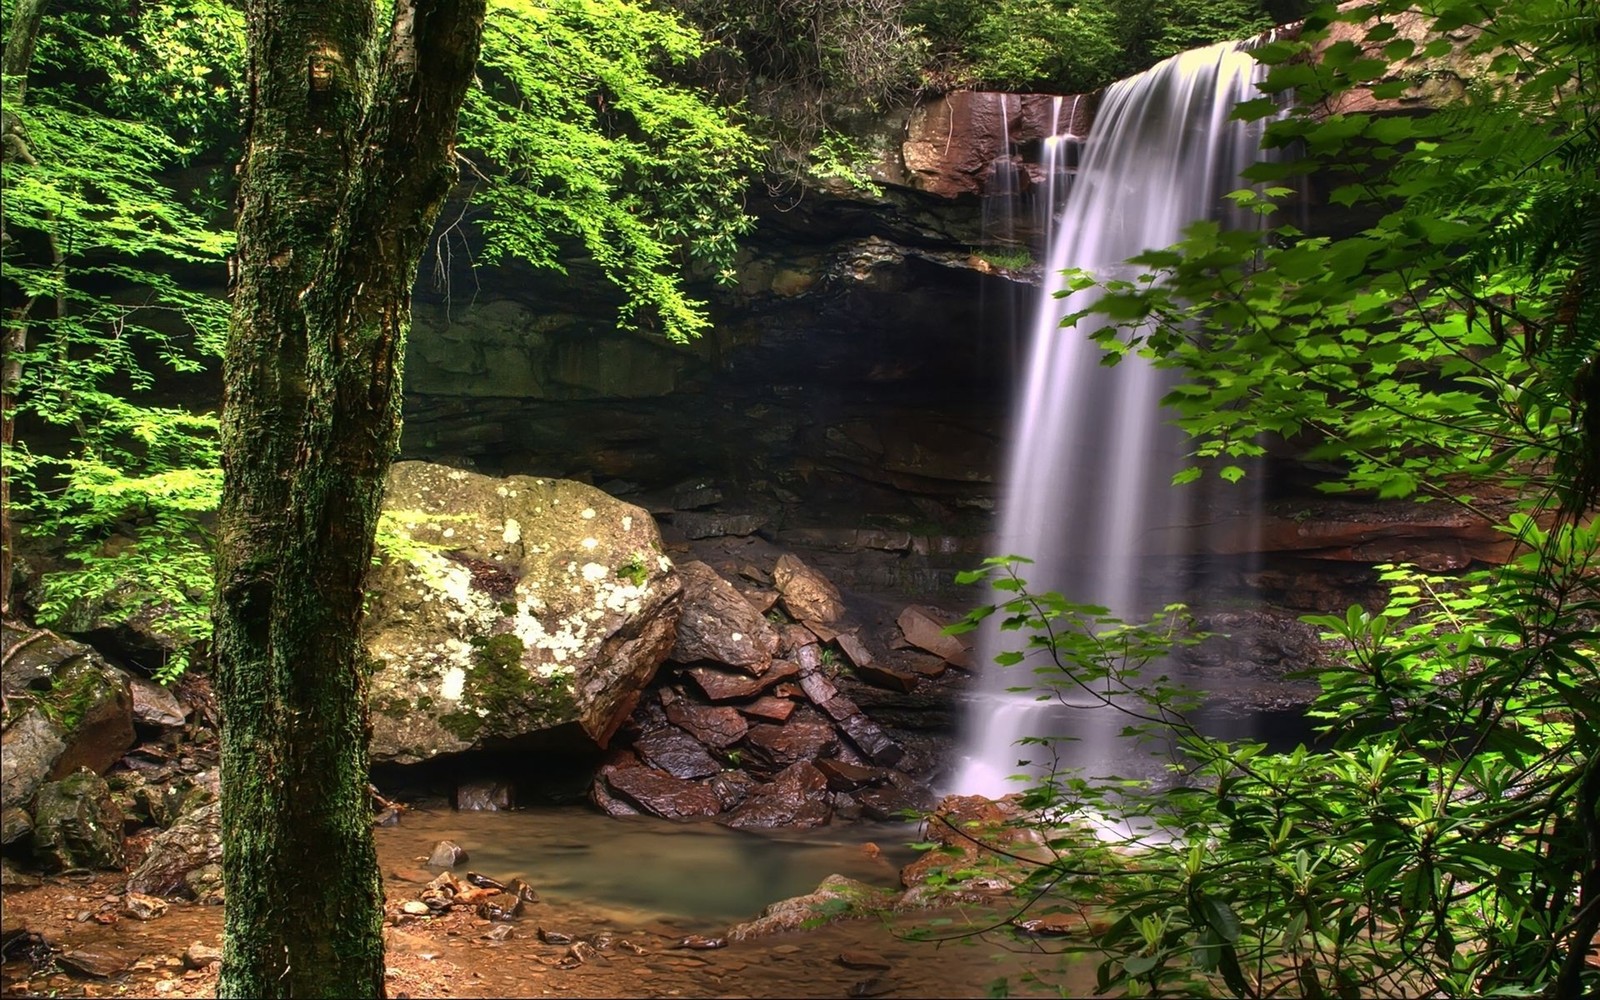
871	740
792	742
853	649
796	798
885	804
846	777
839	708
714	726
721	685
659	793
769	708
718	625
925	631
889	678
806	594
677	753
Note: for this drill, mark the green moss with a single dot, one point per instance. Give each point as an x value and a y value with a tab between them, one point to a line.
635	570
501	696
72	694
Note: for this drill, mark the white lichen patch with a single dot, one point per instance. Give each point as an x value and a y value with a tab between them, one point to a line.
588	514
627	522
502	491
590	544
457	475
594	572
513	533
454	682
736	636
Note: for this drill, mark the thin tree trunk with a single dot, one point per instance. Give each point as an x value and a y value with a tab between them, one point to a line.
22	34
348	158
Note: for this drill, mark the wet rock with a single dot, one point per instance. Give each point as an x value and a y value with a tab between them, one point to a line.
887	677
853	649
447	854
769	708
484	795
796	798
141	907
806	594
718	625
845	777
524	605
923	628
700	942
885	804
504	906
154	707
967	827
693	496
415	907
762	600
659	793
608	802
835	898
714	726
721	685
872	740
100	961
792	742
200	955
674	751
733	787
192	843
855	959
76	825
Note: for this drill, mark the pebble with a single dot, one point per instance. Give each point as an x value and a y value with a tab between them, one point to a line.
415	907
863	960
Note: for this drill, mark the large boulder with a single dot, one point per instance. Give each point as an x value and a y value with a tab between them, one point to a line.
76	825
507	607
719	625
183	860
67	708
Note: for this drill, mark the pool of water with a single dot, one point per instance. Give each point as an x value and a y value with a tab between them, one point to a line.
693	873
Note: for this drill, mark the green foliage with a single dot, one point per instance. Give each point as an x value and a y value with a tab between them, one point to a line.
578	135
88	215
1435	846
1455	334
636	570
1072	46
1439	841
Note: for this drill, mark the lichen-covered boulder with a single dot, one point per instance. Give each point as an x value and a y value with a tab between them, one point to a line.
184	859
67	708
76	825
507	607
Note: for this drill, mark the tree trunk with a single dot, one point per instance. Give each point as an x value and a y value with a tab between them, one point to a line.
22	33
348	157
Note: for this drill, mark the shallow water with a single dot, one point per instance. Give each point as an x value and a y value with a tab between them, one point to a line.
698	875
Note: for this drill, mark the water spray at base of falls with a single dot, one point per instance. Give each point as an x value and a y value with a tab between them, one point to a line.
1087	491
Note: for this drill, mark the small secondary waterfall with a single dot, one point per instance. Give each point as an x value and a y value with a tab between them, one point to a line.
1087	492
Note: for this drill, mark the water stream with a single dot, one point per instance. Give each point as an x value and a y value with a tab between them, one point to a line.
1087	492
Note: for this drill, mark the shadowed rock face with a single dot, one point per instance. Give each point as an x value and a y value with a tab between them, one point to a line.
509	607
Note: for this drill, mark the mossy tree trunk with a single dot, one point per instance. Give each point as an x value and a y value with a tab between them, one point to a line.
349	152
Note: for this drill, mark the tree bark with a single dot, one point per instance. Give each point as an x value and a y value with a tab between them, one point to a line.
349	154
15	60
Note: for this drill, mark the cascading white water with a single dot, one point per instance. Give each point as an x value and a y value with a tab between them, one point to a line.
1087	481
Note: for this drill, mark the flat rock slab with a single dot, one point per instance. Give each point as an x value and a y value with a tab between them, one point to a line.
768	707
793	742
100	961
796	798
723	685
660	794
924	630
715	726
679	754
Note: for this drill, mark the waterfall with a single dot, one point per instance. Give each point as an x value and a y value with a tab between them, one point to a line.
1087	491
